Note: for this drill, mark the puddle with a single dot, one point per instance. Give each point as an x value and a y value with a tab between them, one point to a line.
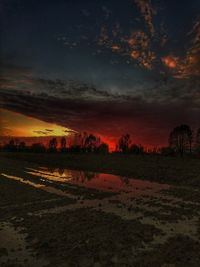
134	199
43	187
99	181
14	248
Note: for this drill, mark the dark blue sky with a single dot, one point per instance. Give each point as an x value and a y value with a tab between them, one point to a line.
59	39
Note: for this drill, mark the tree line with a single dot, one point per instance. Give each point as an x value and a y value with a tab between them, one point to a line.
82	143
182	140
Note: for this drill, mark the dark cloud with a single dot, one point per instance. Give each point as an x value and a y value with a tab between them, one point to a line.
81	107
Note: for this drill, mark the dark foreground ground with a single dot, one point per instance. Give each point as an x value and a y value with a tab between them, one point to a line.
46	221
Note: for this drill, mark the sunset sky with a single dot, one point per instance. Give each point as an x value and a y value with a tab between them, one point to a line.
102	66
18	125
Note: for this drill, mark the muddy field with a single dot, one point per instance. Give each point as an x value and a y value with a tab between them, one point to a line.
54	215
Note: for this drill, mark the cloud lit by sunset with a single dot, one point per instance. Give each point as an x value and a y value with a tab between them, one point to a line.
170	62
17	125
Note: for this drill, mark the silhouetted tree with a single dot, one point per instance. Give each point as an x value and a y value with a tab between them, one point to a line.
124	143
91	143
75	149
167	151
197	143
22	146
77	143
11	146
63	144
103	148
37	148
136	149
53	145
180	139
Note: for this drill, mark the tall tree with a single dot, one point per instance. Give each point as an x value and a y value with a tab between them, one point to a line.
22	146
136	149
63	144
197	143
103	148
91	143
180	139
11	146
38	148
53	143
124	143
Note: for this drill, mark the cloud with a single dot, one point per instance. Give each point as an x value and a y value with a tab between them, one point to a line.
147	11
151	48
148	115
5	131
137	44
70	131
40	132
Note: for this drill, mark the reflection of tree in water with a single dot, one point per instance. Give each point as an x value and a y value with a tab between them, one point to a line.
51	169
84	176
61	171
125	180
90	175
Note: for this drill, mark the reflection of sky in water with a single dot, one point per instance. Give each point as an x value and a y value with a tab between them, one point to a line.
100	181
135	199
43	187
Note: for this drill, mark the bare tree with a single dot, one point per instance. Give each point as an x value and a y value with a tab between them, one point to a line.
91	143
63	144
181	138
53	143
136	149
124	143
197	141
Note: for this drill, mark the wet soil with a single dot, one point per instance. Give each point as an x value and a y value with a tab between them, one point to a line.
94	219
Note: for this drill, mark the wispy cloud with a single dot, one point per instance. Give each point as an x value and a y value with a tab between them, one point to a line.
40	132
145	48
149	114
147	11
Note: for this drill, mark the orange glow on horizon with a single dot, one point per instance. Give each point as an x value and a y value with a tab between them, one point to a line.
31	130
18	125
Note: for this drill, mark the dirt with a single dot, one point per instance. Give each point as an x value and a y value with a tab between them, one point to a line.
143	224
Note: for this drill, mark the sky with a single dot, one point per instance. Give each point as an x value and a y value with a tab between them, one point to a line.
102	66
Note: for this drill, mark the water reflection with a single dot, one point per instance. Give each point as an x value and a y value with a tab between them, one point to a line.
100	181
49	189
81	176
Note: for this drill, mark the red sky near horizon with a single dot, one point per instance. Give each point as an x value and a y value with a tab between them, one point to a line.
16	125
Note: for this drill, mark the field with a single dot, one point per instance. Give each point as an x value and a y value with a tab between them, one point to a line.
60	210
172	170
